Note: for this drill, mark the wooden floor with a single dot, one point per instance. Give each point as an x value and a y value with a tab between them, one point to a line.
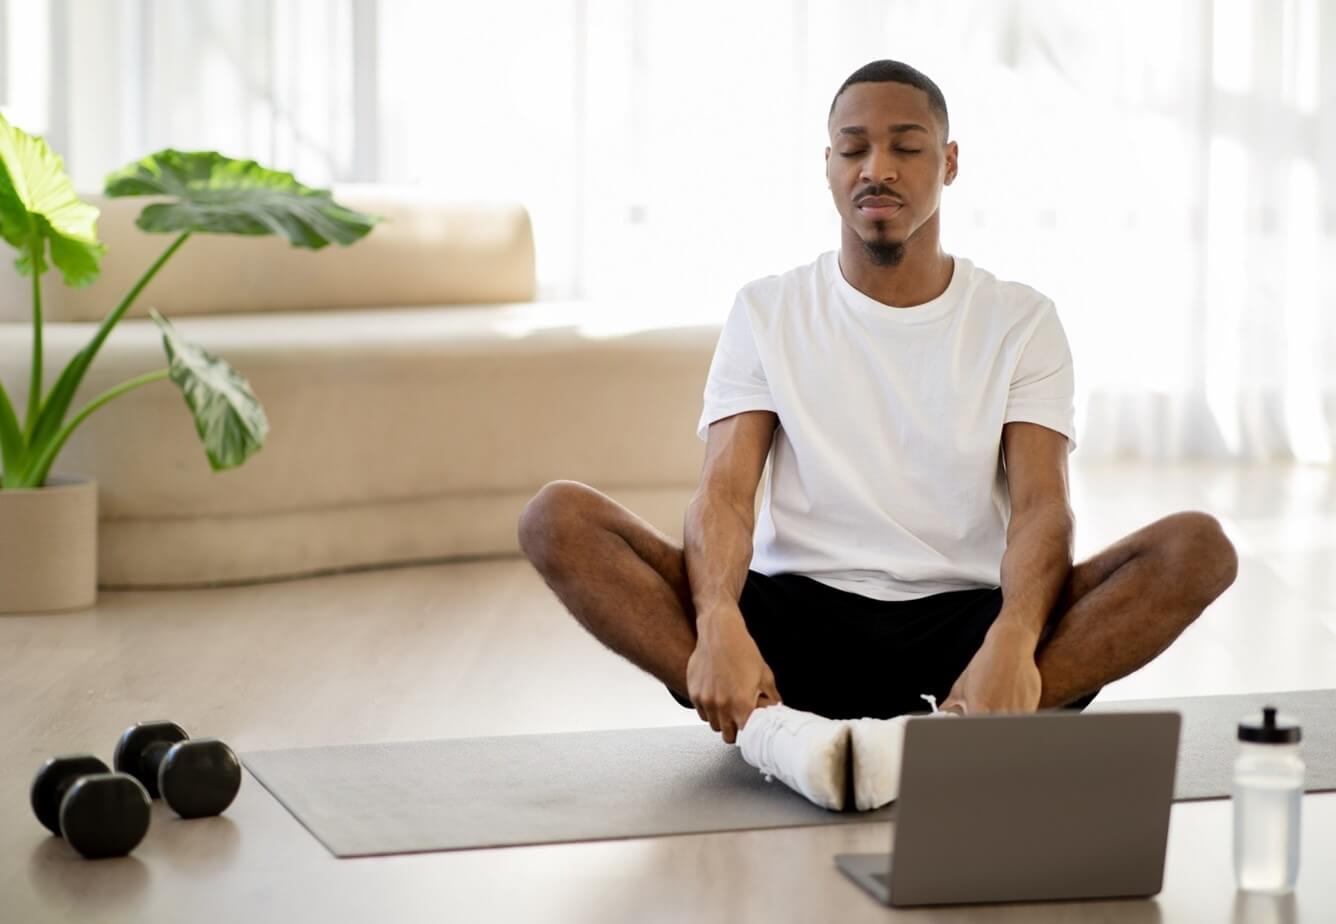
482	648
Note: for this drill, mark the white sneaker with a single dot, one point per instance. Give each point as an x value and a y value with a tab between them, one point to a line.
877	746
808	752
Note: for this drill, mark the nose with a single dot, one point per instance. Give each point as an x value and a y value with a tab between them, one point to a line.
878	167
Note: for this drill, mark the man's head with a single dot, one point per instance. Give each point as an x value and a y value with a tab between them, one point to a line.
889	156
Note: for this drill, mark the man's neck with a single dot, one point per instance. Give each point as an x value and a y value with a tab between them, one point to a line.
922	275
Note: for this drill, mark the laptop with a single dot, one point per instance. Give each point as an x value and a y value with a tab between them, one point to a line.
1055	805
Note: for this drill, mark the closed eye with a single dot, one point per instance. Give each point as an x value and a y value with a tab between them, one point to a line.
898	150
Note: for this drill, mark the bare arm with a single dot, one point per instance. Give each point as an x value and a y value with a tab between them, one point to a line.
1003	676
726	675
721	515
1040	536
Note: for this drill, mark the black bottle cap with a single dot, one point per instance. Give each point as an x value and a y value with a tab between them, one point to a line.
1269	729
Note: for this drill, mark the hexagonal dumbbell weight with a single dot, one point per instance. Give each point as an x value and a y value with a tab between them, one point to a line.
100	813
196	778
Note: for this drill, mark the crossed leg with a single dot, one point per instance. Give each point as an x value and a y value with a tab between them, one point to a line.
621	578
626	582
1124	606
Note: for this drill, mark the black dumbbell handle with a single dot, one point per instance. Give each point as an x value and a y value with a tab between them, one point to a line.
151	760
142	748
196	778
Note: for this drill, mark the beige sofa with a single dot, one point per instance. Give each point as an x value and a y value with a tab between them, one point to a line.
417	395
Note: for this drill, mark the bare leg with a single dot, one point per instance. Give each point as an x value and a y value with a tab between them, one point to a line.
621	578
1125	605
625	582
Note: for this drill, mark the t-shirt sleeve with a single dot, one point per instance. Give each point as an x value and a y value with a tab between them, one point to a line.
1043	385
736	382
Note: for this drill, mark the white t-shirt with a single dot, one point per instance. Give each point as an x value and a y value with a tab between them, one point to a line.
886	471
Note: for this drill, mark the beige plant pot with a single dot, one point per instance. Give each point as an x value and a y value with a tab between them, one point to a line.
48	546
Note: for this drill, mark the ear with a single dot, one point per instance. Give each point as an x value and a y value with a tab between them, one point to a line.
952	163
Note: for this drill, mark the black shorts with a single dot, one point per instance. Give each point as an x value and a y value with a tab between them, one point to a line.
845	656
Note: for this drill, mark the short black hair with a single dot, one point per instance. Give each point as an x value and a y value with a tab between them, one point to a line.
887	71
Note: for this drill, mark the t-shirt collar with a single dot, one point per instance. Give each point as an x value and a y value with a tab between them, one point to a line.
878	312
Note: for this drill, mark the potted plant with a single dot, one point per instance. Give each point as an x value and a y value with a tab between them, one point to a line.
48	523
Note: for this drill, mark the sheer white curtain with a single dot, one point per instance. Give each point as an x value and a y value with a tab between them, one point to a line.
1162	169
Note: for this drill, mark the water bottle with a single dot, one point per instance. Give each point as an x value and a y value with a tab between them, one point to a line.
1268	787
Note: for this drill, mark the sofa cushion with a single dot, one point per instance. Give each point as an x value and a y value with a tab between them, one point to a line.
382	422
424	252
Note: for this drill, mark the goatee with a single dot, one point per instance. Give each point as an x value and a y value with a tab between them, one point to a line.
885	254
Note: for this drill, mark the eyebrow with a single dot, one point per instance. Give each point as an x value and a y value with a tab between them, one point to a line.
898	127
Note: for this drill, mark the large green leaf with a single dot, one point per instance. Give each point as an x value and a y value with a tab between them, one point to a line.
230	421
38	205
219	195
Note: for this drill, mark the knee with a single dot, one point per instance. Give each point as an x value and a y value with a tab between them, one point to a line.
1202	555
548	518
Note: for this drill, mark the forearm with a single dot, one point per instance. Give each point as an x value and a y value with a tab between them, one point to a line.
717	537
1035	566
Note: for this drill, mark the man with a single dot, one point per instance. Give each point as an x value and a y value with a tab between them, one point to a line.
915	535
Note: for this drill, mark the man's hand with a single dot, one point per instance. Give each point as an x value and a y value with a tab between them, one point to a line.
726	676
1002	675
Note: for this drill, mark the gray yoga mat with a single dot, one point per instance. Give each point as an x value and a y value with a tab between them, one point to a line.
1209	738
462	793
465	793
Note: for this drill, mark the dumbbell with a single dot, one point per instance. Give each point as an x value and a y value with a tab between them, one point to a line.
196	778
100	813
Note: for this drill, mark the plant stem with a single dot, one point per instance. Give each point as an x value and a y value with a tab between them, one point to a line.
104	330
35	388
36	474
58	402
13	449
